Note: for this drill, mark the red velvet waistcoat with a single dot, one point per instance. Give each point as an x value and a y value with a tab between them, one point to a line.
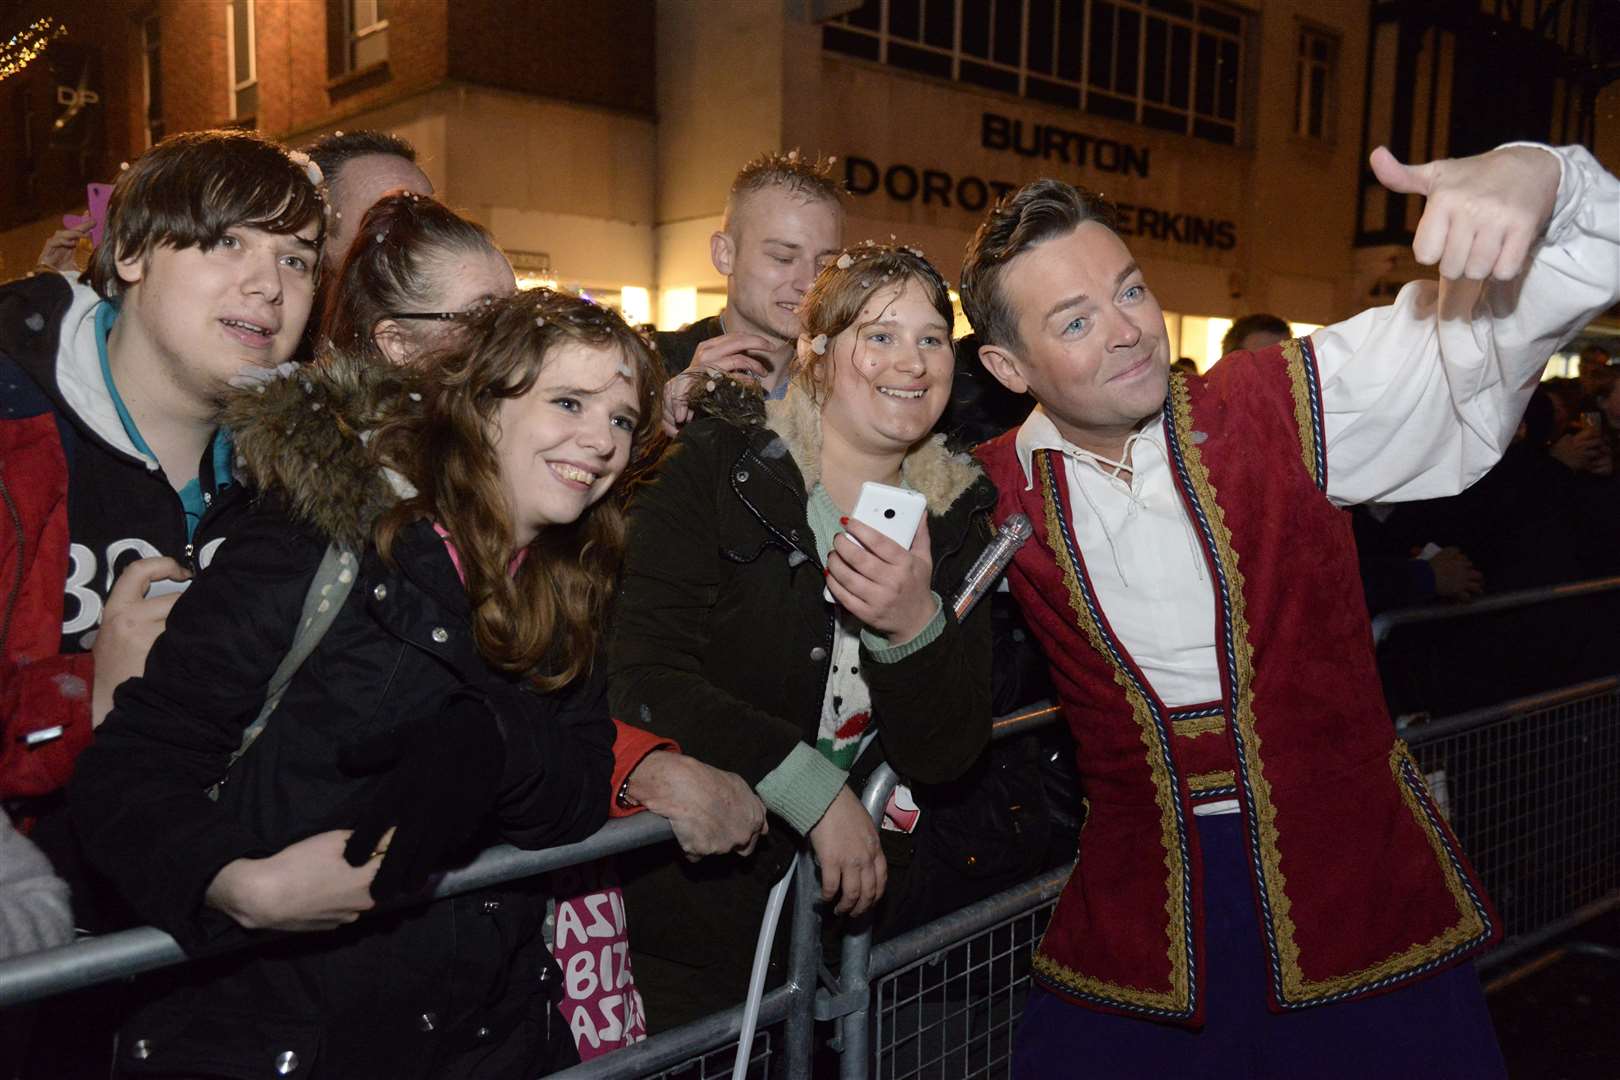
1360	885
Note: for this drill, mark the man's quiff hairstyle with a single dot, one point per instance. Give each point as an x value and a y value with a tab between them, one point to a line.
808	178
1033	214
191	189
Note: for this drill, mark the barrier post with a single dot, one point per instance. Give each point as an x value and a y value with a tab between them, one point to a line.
804	970
853	1002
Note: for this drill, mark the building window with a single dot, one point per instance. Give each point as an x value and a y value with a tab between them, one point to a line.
365	30
152	77
1176	65
1314	79
241	53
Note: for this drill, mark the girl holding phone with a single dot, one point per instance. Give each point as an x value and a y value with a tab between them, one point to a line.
724	642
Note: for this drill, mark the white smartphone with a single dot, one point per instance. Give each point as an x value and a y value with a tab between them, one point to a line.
892	511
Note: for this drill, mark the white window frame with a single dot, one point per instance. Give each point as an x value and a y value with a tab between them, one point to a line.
1307	69
353	34
233	67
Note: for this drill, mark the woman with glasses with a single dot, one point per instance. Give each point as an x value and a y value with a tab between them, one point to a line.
422	271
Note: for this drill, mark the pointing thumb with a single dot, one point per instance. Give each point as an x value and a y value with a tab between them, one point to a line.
1399	178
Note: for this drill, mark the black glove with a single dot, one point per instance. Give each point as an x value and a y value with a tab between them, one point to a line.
443	775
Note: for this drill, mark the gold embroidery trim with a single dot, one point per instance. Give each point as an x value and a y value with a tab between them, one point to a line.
1294	354
1178	998
1295	986
1206	781
1242	660
1204	725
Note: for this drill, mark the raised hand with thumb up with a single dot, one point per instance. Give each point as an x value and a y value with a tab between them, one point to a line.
1484	212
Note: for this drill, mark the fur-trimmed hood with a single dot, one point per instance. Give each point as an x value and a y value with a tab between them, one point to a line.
929	468
302	434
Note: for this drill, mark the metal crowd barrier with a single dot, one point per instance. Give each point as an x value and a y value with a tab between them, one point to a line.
706	1048
1383	624
851	1002
131	952
694	1051
1531	787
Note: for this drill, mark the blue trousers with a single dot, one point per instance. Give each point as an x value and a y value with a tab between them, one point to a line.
1437	1028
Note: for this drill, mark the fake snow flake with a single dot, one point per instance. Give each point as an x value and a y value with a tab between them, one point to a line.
326	605
818	344
1199	437
122	166
311	169
414	396
35	322
346	576
845	261
625	372
381	237
540	320
71	687
314	406
646	716
151	465
795	557
709	386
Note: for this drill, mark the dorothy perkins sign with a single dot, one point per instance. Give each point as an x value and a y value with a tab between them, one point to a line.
1064	150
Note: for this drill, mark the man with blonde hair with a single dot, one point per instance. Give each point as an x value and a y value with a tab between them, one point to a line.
784	219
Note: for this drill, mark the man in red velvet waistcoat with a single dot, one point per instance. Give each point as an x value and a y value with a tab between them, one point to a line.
1262	870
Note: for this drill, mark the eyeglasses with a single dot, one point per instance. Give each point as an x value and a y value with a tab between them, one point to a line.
478	308
437	316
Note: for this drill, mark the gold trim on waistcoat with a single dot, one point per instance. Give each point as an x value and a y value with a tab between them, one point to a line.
1265	814
1178	999
1204	725
1210	781
1299	385
1296	989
